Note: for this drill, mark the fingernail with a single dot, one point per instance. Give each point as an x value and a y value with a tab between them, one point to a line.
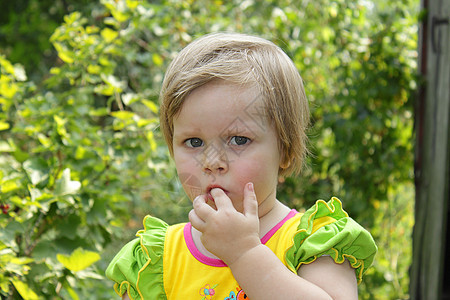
250	187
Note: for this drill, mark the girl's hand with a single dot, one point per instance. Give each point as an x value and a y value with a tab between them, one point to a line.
227	233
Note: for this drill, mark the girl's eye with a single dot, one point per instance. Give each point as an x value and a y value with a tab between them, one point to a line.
239	140
193	142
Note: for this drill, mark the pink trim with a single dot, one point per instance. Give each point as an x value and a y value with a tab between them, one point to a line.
272	231
214	262
196	253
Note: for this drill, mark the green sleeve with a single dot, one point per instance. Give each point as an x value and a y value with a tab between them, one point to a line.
326	229
138	267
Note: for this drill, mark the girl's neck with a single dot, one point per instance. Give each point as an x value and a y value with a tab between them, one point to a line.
267	221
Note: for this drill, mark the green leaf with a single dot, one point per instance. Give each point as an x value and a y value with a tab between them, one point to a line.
71	292
94	69
65	55
129	98
6	147
45	141
8	89
79	260
8	67
99	112
109	34
111	80
8	186
36	170
4	125
151	139
104	89
65	186
123	115
151	105
157	59
24	290
20	155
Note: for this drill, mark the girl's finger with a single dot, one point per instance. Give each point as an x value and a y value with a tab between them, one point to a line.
196	221
250	201
201	208
221	199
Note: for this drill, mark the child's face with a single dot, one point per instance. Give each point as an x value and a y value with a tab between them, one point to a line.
222	138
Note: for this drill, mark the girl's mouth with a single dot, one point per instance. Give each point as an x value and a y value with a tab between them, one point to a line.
209	197
210	188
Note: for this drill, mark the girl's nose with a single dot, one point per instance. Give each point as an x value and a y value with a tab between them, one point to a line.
214	160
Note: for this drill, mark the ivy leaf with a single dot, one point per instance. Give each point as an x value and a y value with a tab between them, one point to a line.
79	260
65	186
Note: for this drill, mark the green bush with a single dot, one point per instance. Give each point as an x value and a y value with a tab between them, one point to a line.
82	159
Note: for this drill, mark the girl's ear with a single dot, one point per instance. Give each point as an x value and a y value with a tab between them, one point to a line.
285	165
284	162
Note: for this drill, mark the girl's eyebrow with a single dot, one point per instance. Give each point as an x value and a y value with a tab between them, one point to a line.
188	131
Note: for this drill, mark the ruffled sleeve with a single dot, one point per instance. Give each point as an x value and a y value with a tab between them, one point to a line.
326	229
138	267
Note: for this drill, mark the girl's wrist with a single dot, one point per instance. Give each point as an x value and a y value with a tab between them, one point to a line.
257	251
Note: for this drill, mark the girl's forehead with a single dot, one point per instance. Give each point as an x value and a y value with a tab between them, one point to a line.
224	94
223	103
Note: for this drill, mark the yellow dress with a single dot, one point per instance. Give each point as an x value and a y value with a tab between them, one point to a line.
164	263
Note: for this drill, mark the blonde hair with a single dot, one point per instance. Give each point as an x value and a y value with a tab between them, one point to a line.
242	59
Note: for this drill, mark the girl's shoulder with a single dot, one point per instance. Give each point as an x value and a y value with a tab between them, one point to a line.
326	229
129	267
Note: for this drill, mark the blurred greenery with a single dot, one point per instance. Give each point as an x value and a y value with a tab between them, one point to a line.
82	159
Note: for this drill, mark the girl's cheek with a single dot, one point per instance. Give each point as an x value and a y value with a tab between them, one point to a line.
191	184
247	173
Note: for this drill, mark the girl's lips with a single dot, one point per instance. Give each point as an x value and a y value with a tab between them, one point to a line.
209	197
210	188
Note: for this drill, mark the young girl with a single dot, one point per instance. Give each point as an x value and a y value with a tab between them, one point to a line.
234	115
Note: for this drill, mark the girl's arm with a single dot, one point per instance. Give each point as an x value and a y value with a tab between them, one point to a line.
263	276
234	237
338	280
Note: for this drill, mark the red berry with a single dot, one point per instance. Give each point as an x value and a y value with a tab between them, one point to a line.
4	208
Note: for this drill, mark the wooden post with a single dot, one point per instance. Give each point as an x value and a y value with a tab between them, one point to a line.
432	156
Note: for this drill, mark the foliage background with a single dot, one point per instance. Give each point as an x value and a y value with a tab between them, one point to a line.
82	160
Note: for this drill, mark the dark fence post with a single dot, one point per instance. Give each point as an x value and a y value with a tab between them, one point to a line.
430	271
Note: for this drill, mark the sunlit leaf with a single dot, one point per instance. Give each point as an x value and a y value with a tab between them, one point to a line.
24	290
94	69
8	186
66	186
6	147
123	115
157	59
151	105
109	34
36	170
4	125
79	260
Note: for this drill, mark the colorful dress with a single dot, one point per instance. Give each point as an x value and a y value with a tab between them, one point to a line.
164	263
